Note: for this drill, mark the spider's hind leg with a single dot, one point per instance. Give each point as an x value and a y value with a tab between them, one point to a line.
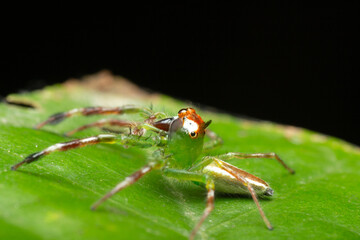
272	155
89	111
128	181
103	138
102	123
197	177
129	140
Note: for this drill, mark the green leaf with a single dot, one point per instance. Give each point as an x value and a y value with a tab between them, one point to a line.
51	198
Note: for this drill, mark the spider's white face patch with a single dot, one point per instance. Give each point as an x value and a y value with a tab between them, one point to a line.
190	126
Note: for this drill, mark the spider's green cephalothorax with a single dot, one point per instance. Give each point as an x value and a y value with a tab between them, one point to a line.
186	138
185	149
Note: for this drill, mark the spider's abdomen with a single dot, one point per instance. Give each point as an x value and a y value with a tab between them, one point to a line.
227	183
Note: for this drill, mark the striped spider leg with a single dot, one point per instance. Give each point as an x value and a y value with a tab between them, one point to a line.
131	140
91	111
103	123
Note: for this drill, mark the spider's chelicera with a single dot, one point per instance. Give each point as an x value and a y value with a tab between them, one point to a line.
180	142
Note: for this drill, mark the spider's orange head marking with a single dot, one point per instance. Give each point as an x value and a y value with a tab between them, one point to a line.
190	114
192	122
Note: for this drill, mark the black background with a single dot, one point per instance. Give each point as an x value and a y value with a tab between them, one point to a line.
288	63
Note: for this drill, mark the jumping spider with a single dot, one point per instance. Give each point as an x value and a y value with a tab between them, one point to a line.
180	139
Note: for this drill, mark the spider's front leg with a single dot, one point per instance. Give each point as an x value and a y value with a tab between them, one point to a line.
214	142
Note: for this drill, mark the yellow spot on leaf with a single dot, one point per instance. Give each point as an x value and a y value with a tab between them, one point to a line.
52	216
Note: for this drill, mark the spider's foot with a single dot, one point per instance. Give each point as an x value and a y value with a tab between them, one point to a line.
31	158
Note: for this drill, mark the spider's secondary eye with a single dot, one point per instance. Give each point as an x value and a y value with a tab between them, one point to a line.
193	134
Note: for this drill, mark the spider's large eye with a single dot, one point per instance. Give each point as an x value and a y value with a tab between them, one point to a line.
193	134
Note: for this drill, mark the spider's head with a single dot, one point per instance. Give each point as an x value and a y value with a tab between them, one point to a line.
186	136
190	122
